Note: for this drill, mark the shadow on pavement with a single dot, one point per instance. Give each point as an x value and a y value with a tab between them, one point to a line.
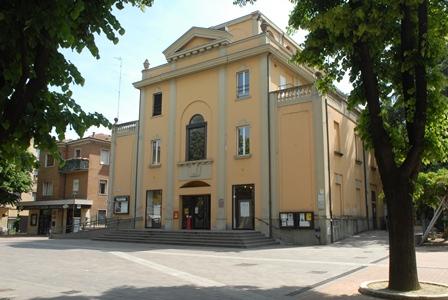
193	292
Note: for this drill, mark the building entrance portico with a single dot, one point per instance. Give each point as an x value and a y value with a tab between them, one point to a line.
196	209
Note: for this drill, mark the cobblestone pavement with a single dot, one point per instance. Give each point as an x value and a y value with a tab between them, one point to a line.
38	268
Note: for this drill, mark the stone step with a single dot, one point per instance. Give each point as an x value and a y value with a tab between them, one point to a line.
234	239
192	232
190	243
184	237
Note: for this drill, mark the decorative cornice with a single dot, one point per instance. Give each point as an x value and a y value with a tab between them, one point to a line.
197	50
218	38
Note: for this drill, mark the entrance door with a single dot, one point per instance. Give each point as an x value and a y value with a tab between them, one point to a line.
198	208
243	206
73	219
44	221
154	209
373	195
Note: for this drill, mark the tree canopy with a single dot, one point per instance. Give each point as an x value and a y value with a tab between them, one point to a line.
35	78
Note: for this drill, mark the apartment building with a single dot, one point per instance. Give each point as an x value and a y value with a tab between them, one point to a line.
234	136
74	191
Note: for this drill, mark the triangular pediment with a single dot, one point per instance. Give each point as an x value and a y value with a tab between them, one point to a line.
196	38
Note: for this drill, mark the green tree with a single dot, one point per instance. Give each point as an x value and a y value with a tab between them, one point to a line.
430	187
15	177
393	52
35	77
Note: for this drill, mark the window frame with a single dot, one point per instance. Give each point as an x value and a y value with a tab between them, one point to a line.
45	190
46	160
155	159
73	186
281	85
337	138
108	157
74	153
105	187
245	91
126	199
154	104
187	144
248	127
358	149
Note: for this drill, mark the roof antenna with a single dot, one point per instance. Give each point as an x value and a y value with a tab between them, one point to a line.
119	88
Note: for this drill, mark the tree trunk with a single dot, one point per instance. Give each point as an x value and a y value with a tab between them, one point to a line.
402	262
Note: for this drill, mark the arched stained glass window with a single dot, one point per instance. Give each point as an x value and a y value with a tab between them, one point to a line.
196	138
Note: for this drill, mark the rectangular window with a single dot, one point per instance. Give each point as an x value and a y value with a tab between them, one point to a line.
336	138
49	160
77	153
243	140
103	187
47	189
242	84
155	155
337	199
358	149
373	164
75	186
157	104
154	209
282	84
121	205
358	198
104	157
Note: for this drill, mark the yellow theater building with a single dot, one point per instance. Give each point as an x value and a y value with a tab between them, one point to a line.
232	135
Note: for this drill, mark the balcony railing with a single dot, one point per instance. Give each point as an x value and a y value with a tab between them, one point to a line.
75	165
126	128
295	94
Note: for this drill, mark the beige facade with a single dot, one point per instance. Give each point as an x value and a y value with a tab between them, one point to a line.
232	135
72	193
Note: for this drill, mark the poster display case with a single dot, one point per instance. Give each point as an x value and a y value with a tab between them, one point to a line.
296	220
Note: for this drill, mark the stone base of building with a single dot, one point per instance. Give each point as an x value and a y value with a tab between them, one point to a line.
346	227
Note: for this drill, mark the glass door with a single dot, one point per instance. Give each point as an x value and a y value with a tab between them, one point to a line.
197	209
243	206
153	209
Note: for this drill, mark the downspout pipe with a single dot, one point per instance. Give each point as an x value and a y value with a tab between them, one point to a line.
329	172
365	186
269	148
136	159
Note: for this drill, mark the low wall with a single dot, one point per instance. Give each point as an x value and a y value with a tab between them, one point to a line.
346	227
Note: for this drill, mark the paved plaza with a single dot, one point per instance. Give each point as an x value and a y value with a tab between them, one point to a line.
38	268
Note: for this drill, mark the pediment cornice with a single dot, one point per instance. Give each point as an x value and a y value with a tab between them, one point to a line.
217	38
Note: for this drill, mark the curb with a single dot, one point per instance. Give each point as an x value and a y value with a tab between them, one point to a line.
387	294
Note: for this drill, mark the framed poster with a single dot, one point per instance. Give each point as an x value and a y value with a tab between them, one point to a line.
305	220
286	219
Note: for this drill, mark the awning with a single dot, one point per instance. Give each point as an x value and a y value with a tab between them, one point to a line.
65	203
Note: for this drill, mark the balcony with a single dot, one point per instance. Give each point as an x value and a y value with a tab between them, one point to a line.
75	165
294	95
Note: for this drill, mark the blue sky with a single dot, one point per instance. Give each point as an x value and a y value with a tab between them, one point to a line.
148	33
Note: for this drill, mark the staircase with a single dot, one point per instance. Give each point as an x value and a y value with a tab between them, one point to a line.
233	239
